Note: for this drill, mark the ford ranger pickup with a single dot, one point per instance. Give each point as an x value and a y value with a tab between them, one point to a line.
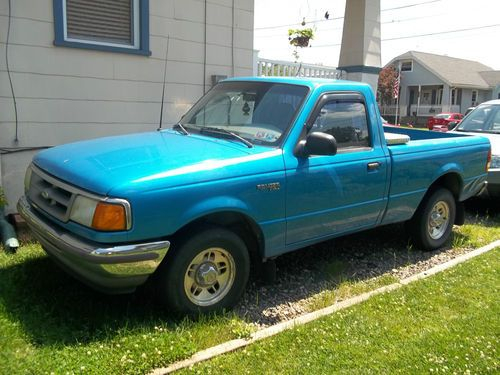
258	167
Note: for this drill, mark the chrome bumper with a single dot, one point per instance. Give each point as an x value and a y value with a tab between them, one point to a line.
115	269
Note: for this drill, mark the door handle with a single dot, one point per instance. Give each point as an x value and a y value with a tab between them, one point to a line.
373	166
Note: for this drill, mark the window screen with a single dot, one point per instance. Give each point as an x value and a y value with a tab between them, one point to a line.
101	20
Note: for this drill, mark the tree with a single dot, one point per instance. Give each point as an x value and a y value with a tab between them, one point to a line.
386	81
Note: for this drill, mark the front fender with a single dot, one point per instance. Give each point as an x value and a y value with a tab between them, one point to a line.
213	205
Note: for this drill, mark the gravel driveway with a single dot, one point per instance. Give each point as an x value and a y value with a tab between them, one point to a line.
303	274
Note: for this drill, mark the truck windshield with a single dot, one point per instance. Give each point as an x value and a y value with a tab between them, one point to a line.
260	112
483	119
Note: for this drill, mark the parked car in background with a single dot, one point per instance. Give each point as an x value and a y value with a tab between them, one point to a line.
443	119
485	120
443	128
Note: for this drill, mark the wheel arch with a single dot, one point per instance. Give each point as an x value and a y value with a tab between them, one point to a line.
241	224
453	182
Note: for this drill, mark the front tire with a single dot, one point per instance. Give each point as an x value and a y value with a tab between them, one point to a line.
208	272
432	223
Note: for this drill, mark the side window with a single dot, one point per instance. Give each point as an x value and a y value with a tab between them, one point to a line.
346	121
495	123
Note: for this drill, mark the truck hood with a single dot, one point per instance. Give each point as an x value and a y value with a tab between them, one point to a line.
155	160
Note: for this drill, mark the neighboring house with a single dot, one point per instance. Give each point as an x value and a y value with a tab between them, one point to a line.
88	68
431	84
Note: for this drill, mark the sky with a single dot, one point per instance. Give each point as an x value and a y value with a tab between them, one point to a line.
457	28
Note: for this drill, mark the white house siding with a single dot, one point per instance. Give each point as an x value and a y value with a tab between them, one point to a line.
419	76
68	94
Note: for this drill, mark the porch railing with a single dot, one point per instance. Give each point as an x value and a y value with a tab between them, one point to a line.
267	67
432	110
390	110
420	111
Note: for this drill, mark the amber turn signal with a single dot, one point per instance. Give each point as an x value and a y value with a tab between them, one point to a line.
109	217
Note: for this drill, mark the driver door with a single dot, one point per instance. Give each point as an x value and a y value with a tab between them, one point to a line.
329	195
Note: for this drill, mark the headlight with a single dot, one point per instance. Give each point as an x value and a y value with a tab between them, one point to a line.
83	210
103	215
495	161
27	179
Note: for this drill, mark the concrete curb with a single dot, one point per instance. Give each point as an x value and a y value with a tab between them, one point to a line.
306	318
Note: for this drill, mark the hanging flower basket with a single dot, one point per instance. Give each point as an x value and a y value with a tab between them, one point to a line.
300	37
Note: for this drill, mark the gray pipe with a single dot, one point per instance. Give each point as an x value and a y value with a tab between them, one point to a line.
7	234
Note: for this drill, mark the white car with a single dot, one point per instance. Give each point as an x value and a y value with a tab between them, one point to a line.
484	120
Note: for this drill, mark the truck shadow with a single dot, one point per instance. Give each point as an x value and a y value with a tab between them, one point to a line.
52	308
325	266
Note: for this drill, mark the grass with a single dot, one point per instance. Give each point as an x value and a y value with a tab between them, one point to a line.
347	289
480	232
444	324
52	323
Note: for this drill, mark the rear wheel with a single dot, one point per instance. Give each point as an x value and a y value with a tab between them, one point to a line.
432	223
207	272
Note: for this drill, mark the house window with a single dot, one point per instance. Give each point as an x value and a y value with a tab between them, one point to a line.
407	66
108	25
474	97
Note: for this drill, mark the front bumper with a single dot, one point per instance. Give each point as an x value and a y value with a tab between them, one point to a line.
111	269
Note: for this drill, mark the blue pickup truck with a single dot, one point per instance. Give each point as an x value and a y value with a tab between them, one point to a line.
257	168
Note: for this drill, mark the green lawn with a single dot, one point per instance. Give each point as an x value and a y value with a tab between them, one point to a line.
448	323
52	323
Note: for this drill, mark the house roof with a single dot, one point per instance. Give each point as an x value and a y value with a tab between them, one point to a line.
492	77
453	71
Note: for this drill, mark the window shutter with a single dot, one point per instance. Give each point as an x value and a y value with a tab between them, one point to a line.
100	20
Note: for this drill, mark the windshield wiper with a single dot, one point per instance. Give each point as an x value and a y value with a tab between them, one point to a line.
180	128
224	132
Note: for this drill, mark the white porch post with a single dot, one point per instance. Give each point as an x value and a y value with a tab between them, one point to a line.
360	50
418	98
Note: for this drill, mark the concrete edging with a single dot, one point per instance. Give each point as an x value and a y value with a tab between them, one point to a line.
232	345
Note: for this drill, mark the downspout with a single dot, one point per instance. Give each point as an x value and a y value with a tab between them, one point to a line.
232	43
7	233
205	51
7	67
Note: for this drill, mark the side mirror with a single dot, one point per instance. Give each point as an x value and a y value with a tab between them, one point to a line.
452	124
317	143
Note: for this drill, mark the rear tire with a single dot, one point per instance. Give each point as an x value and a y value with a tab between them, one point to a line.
432	223
207	273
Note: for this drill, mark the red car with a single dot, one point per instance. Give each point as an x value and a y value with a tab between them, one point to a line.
444	119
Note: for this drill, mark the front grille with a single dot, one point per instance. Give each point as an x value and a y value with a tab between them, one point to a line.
50	195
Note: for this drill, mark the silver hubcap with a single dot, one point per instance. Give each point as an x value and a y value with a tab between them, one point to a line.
438	220
209	276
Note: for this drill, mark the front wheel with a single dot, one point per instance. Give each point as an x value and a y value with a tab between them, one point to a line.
432	223
208	272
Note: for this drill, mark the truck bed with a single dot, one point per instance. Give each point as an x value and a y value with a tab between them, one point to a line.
418	163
